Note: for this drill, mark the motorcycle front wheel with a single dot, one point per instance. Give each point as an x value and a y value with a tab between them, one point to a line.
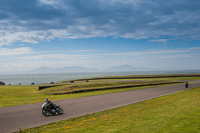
59	110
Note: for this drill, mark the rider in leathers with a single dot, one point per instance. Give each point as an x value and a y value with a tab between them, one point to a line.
48	103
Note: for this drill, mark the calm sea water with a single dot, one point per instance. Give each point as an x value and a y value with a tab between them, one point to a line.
27	79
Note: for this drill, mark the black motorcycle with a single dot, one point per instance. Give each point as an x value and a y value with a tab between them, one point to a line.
51	109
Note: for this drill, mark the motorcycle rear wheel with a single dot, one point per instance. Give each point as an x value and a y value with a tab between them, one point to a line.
45	112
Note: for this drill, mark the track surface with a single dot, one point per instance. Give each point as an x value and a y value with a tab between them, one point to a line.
27	116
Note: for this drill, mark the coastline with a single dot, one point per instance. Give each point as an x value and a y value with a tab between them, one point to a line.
37	79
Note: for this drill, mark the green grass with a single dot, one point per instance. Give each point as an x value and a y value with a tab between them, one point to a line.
94	86
142	77
174	113
19	95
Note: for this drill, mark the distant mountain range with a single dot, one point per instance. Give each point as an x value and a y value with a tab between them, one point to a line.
62	70
77	69
83	69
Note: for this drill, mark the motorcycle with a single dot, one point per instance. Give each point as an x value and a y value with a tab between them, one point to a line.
51	109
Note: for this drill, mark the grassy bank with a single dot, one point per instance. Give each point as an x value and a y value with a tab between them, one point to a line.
96	86
142	77
178	112
19	95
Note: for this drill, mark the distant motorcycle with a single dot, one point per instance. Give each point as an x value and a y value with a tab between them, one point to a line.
48	108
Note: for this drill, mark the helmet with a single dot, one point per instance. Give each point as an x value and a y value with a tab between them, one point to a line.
46	100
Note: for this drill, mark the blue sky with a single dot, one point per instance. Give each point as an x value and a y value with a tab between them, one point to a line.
99	34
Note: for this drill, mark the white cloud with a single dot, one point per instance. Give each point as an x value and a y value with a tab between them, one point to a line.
160	40
151	52
55	56
151	58
16	51
136	19
78	51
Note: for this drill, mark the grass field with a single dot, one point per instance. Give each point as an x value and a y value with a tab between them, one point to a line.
143	77
174	113
96	86
19	95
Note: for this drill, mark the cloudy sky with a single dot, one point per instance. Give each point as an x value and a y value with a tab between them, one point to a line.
99	34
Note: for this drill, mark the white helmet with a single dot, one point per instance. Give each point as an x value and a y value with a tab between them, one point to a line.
46	100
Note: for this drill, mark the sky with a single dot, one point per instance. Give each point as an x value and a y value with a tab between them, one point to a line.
99	34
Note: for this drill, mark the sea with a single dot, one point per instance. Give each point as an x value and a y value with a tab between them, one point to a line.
37	79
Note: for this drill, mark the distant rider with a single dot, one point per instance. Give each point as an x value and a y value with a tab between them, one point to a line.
186	84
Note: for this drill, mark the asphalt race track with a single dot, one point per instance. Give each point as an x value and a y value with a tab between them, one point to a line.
27	116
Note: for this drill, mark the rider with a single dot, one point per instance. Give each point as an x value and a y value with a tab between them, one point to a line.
48	103
186	84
